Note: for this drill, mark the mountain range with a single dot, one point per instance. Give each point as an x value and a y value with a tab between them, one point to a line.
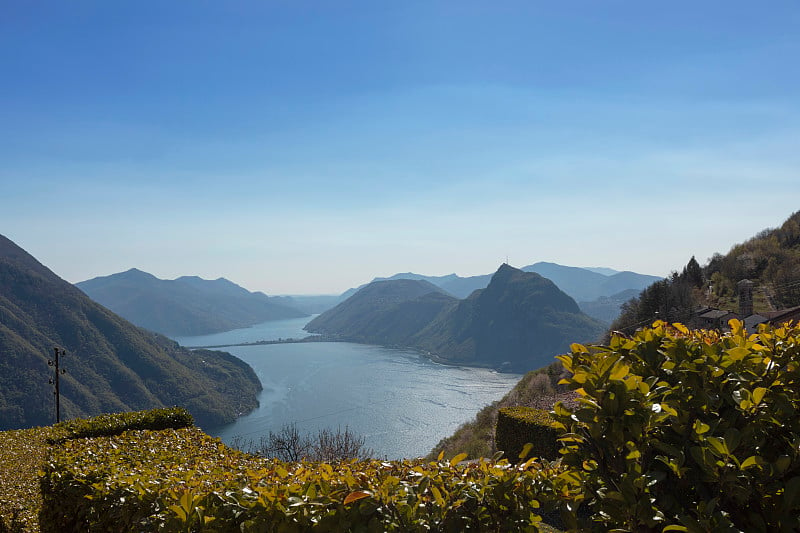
185	306
599	291
518	322
111	365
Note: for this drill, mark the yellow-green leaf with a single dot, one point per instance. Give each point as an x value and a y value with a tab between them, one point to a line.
619	372
457	459
738	353
749	462
758	395
577	348
437	495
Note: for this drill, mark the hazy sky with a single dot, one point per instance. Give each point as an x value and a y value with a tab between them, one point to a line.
306	147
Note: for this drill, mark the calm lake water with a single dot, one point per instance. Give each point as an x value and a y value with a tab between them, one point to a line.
402	403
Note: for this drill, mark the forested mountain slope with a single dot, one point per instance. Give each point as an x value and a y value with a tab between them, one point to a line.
111	365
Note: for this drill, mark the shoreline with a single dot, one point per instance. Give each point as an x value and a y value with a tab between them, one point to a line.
330	338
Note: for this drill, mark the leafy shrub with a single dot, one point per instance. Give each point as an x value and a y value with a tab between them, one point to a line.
116	423
682	430
183	480
518	426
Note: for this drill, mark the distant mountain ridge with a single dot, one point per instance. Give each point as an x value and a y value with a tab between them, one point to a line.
386	312
111	365
185	306
595	289
518	322
586	285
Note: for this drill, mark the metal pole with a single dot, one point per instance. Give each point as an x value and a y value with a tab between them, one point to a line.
58	390
56	363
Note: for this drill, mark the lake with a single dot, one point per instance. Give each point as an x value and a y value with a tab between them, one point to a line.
400	402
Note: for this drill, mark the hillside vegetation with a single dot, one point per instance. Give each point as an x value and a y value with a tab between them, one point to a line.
111	365
185	306
771	260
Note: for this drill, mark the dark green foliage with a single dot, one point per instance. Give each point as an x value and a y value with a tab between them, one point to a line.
519	426
693	274
183	480
673	299
114	424
681	430
111	365
185	306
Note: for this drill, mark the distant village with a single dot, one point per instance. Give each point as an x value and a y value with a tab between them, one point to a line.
712	318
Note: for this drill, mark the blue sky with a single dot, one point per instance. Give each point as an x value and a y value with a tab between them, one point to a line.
306	147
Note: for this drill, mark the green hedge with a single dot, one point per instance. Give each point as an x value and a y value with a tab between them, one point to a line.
681	430
518	426
184	480
115	423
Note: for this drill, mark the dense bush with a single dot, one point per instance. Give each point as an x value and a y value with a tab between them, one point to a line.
22	453
519	426
183	480
684	430
115	423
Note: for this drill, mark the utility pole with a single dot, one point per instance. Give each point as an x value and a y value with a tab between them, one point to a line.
55	362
